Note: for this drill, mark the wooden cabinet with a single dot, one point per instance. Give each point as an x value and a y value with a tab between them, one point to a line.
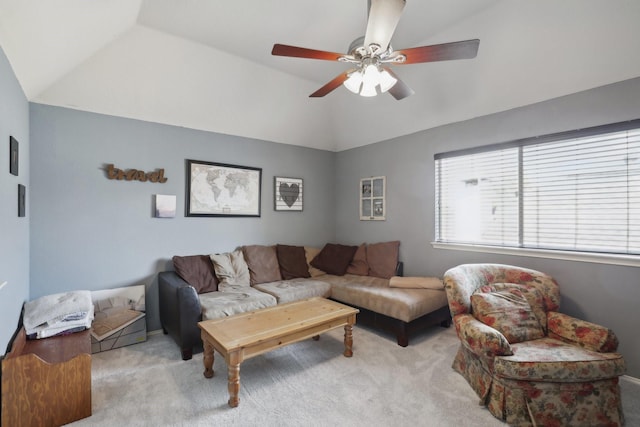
47	382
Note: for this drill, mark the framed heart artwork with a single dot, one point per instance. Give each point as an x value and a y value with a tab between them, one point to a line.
287	194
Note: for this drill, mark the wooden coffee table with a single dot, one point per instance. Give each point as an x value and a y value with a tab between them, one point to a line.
245	335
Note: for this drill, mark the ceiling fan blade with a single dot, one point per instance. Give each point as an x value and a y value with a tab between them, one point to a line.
302	52
332	85
400	90
440	52
383	18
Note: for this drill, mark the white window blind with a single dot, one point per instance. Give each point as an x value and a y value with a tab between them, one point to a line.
576	191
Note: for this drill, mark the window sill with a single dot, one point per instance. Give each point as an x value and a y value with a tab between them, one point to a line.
627	260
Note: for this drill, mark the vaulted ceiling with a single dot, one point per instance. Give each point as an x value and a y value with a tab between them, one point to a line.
206	64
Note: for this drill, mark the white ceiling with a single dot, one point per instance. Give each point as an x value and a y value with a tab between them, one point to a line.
206	64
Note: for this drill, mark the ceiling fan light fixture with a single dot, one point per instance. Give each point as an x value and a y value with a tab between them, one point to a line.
387	81
354	82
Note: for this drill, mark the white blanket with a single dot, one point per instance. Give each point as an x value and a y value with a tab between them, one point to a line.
69	308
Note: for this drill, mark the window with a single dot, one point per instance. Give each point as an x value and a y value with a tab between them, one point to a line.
575	191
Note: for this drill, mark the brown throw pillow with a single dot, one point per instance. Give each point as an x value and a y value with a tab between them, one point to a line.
334	258
197	270
383	259
359	264
292	261
263	264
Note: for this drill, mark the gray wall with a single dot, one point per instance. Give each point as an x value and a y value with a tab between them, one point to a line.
89	232
604	294
14	237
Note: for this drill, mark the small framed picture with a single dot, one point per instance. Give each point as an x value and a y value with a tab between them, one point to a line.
373	198
288	194
22	200
13	156
165	206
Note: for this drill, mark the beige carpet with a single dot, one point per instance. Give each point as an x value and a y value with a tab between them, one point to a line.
305	384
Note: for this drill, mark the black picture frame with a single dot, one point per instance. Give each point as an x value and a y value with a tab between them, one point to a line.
14	147
222	190
22	200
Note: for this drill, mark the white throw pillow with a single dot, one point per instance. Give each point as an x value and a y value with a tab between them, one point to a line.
231	268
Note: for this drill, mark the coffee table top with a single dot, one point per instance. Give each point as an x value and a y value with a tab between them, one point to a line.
248	328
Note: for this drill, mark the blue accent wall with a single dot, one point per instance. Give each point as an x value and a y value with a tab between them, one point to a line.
14	234
90	232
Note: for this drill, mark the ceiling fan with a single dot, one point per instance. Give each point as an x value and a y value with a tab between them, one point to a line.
372	55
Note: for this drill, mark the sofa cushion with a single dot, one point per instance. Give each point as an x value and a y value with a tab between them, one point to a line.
296	289
359	264
231	268
374	293
234	299
262	262
383	259
310	253
334	258
196	270
292	261
509	312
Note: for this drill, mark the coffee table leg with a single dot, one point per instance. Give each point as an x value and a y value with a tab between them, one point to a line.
348	340
208	359
233	366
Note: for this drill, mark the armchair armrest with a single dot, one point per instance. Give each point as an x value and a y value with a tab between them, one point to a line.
585	334
481	339
180	311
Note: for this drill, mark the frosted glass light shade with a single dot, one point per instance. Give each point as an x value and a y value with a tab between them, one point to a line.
353	82
386	81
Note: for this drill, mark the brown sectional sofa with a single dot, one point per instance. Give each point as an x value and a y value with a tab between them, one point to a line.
207	287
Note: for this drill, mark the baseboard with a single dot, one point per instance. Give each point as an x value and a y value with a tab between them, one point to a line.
631	379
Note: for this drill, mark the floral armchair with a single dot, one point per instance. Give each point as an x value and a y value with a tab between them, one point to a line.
528	363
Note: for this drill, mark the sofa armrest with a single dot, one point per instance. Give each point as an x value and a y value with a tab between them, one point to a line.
180	310
585	334
479	338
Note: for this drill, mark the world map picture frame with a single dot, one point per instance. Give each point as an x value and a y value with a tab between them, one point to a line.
288	194
222	190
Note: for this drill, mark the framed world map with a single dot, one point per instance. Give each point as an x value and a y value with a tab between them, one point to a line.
218	189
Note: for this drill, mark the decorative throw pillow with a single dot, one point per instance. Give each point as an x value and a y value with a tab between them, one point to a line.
293	262
310	253
262	262
334	258
196	270
531	293
359	264
231	268
509	312
383	259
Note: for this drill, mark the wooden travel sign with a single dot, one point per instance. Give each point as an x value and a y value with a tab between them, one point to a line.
135	175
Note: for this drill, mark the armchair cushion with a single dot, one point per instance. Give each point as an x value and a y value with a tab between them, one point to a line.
585	334
548	359
481	339
509	312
